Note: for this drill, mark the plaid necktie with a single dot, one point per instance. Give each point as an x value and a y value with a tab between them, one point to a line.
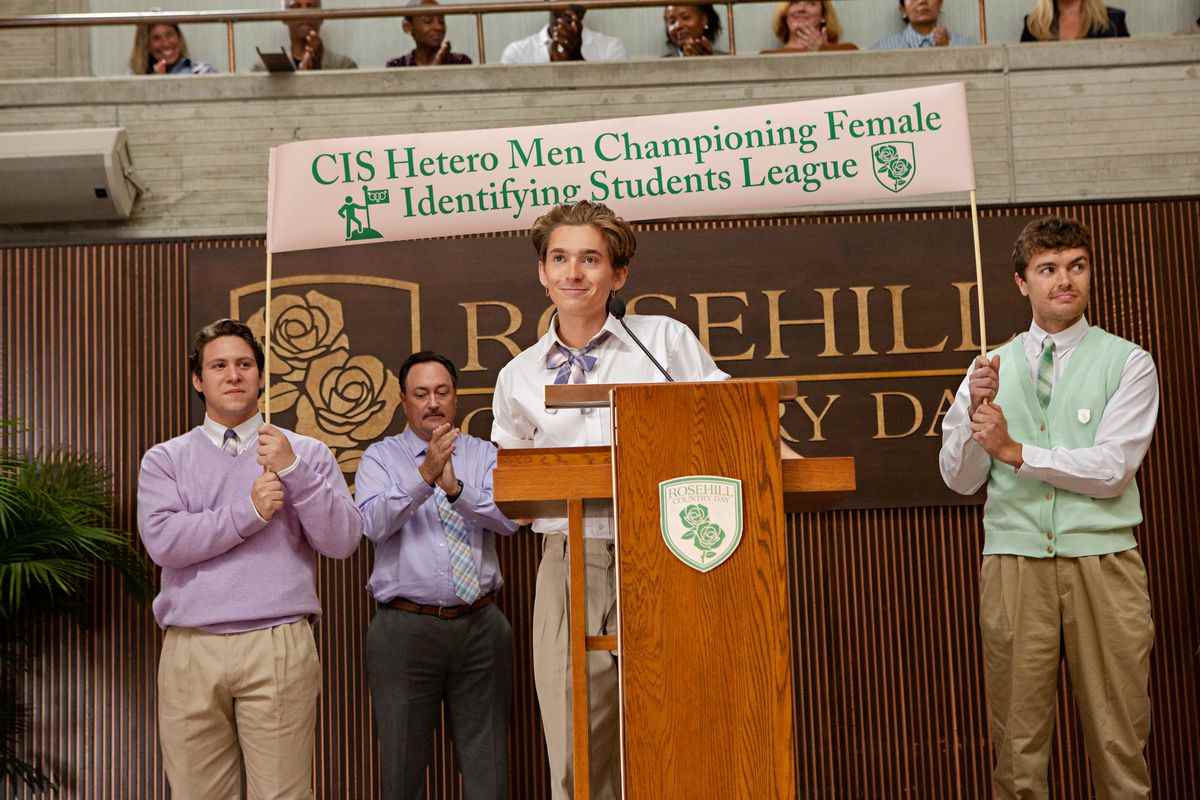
230	443
462	563
1045	374
572	365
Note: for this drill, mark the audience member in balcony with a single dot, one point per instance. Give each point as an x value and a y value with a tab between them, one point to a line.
692	31
1062	20
428	33
924	28
160	49
308	51
564	39
807	26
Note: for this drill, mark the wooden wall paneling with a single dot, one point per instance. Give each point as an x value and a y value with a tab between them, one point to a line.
889	698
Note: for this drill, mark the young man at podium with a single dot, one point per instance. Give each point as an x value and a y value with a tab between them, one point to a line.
1056	423
584	251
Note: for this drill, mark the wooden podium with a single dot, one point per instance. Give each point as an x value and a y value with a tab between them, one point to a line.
704	656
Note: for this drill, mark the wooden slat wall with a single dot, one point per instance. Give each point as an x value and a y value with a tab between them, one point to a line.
889	682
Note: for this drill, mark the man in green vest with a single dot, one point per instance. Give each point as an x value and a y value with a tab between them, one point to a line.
1056	422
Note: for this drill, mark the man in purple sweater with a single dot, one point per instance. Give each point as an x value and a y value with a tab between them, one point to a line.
235	511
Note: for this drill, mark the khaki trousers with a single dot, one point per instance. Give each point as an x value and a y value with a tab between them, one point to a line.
1099	606
239	700
552	666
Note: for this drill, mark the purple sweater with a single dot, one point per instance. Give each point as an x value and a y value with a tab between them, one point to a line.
223	569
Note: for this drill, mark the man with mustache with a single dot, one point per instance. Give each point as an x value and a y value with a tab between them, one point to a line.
1056	423
438	635
235	512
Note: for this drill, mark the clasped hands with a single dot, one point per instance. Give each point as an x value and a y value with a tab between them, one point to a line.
274	453
566	38
438	467
988	426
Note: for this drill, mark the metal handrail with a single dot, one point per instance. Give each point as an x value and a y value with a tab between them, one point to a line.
478	10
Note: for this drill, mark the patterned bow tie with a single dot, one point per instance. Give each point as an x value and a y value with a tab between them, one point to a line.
572	365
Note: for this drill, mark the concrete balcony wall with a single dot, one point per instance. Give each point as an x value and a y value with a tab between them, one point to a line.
1065	122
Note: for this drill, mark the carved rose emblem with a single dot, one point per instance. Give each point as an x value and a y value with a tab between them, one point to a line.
347	401
303	329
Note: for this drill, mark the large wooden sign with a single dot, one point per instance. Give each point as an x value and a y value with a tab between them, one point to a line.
877	321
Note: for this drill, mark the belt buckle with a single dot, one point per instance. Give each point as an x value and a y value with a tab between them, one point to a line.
443	612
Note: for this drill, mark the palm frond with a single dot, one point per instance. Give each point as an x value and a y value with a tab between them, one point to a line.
57	511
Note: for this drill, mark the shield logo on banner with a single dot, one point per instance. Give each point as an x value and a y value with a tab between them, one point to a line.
701	518
894	164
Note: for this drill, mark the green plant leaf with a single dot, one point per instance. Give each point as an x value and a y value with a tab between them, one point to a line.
56	529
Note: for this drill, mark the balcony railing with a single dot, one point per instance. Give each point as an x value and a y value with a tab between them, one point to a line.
478	10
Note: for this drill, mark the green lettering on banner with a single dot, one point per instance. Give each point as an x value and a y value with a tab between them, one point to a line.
539	156
869	127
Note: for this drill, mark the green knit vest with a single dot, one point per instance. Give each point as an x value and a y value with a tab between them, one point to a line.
1027	517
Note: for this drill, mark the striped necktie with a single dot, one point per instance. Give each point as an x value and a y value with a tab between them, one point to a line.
463	572
230	443
1045	373
573	365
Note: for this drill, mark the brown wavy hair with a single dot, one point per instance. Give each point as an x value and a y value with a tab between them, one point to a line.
139	58
1049	234
617	233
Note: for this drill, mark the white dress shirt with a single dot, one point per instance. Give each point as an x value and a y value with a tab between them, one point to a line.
519	404
1102	470
535	49
247	434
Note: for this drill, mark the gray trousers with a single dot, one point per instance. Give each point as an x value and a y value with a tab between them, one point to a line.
415	663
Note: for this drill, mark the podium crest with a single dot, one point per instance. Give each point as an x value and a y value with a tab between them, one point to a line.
701	518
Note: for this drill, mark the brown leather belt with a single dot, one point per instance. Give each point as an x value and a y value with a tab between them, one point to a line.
441	612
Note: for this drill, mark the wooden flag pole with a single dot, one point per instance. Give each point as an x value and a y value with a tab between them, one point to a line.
267	326
267	344
978	278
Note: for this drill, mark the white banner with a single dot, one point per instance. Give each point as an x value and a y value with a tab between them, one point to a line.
759	159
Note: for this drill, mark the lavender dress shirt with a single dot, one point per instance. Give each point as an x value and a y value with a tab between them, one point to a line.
400	516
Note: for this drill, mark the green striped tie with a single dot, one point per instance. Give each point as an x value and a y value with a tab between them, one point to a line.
1045	375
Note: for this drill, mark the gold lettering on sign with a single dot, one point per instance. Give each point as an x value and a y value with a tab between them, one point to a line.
704	325
864	321
943	406
666	298
776	324
965	292
474	337
814	418
880	423
898	345
466	423
544	321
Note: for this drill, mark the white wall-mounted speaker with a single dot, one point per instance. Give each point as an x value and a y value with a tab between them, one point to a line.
66	176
